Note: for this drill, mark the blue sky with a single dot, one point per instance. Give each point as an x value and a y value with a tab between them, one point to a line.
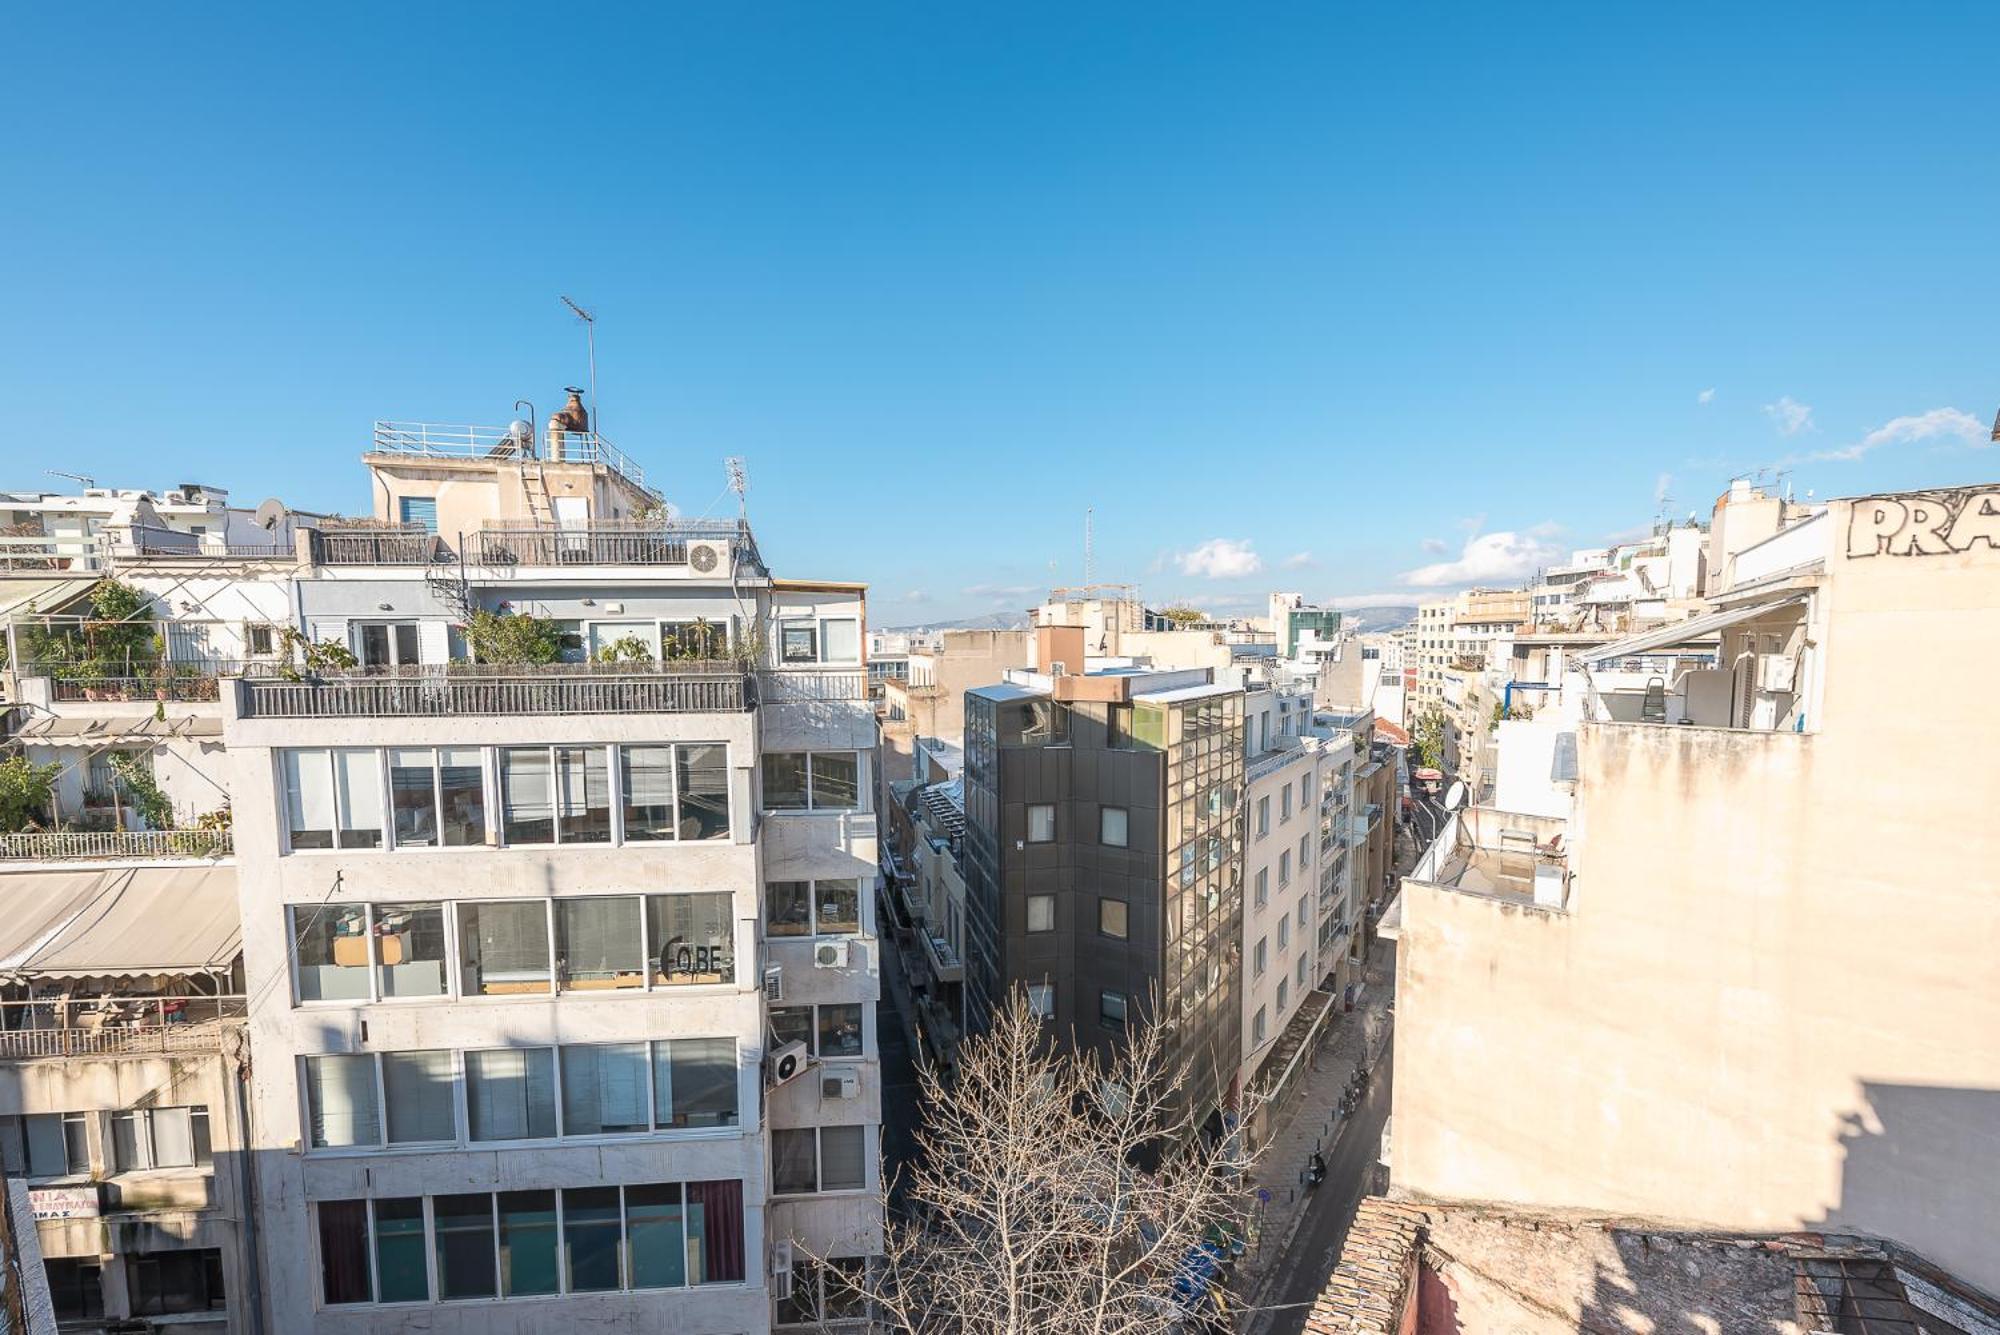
1354	302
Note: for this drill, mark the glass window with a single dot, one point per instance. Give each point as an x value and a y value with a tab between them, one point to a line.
308	780
1284	993
788	908
604	1089
1042	1000
1285	867
648	776
703	783
463	1237
840	639
694	1082
785	781
1285	803
715	1232
1112	828
656	1234
528	1243
421	1101
1263	816
798	642
527	798
510	1093
462	796
1041	913
1118	727
1305	850
840	1030
794	1161
836	779
143	1138
503	948
1260	958
1041	824
843	1158
163	1283
791	1024
400	1269
1304	919
76	1288
598	947
837	907
583	793
1304	962
58	1144
1258	1026
591	1238
693	938
1111	1008
1263	886
1111	917
358	790
341	1103
413	797
343	1253
1284	932
409	949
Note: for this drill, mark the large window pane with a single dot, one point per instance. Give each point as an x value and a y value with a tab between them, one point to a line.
527	796
840	1030
584	792
343	1253
333	951
400	1269
784	781
164	1283
130	1150
591	1238
413	795
173	1138
598	945
840	640
503	948
837	907
409	949
843	1158
340	1102
604	1088
694	1082
510	1093
791	1024
703	773
836	779
528	1243
464	1239
794	1161
418	1088
648	775
693	938
462	787
308	778
654	1223
715	1232
358	786
788	908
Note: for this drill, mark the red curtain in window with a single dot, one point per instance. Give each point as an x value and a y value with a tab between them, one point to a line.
343	1251
722	1229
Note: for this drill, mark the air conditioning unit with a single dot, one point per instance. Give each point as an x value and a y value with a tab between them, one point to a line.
842	1084
830	955
774	982
786	1063
1776	672
708	558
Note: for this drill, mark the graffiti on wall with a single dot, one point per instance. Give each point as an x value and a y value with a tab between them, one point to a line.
1924	523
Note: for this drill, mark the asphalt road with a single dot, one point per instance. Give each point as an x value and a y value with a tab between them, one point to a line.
1349	1174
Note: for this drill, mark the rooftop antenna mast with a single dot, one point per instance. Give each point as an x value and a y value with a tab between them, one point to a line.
1089	546
590	350
85	482
739	482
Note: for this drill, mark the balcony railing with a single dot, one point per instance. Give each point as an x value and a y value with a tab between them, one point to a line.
147	540
609	542
408	545
435	440
810	686
624	688
118	1027
77	845
181	688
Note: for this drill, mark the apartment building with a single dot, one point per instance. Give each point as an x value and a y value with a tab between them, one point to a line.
1751	970
560	977
1103	857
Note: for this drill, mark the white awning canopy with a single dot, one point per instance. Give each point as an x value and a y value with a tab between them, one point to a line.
46	594
1683	632
117	922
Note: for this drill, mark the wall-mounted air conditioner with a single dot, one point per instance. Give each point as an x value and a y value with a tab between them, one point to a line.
774	982
1776	672
839	1084
708	558
830	955
786	1063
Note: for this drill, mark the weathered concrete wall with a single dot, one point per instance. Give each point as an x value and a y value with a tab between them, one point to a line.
1773	1001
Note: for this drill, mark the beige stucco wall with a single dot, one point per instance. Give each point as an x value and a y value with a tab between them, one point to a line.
1774	1000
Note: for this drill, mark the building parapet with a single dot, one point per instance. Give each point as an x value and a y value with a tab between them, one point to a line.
120	1027
437	440
623	688
1507	855
121	845
602	542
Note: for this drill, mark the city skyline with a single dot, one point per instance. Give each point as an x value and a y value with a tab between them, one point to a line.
1505	295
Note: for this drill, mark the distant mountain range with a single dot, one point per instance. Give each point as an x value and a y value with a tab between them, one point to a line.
985	621
1374	619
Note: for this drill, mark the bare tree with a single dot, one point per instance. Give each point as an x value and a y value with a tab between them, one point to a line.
1055	1194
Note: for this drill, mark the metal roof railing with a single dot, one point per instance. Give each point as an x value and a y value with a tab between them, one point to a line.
436	440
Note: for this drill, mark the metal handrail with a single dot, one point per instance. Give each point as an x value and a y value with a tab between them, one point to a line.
439	440
521	692
375	545
68	845
117	1026
810	685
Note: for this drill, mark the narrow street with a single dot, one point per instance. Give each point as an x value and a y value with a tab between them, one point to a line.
1350	1170
893	1039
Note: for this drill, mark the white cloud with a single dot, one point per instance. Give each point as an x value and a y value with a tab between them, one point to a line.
1436	546
1705	398
1661	486
1944	423
1220	558
1789	415
1491	558
916	596
999	593
1297	561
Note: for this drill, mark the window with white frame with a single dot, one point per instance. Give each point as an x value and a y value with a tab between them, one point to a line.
1263	893
1260	958
381	644
812	780
832	1032
1113	826
333	798
143	1138
1305	850
812	908
819	1159
1304	919
438	795
834	1290
1041	823
806	640
46	1145
1285	867
1263	816
1284	933
1284	804
555	794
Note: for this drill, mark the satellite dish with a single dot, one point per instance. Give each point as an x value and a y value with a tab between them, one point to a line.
1454	796
272	514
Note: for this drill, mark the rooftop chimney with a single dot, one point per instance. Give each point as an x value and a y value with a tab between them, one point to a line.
1059	650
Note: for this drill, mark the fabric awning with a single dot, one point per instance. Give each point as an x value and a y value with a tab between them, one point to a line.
1682	632
127	920
75	731
45	594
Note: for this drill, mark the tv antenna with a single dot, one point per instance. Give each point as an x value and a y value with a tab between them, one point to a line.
739	482
80	479
1089	547
590	351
